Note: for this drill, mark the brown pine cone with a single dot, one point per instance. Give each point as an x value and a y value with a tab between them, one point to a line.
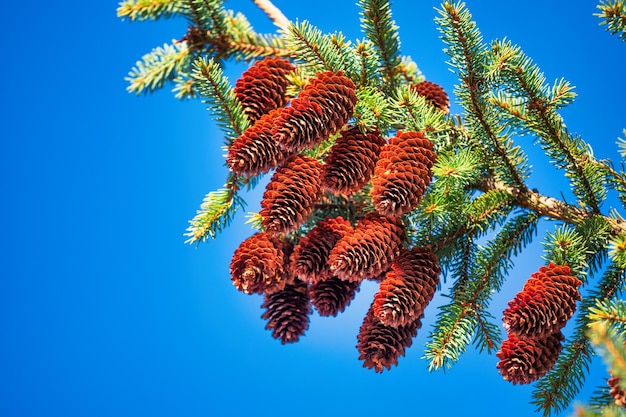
402	173
262	87
618	394
323	106
368	250
331	296
351	161
310	256
408	287
287	312
545	304
290	195
380	346
256	152
434	94
524	361
258	264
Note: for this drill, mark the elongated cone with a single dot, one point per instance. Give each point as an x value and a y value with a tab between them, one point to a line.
545	304
256	152
323	106
258	264
408	287
618	394
287	312
380	346
310	256
262	87
351	161
402	173
291	194
368	250
434	94
332	295
524	361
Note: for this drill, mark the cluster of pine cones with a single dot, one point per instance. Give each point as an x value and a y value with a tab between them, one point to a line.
323	268
534	320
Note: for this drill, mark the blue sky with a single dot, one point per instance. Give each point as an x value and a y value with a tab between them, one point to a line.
105	311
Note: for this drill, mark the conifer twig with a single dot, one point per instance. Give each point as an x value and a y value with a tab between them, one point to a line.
274	13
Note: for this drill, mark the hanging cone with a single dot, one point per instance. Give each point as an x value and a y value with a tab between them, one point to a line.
309	259
380	346
368	250
323	106
331	296
434	94
545	304
408	287
291	194
287	312
402	174
256	152
618	394
525	360
351	161
258	264
262	87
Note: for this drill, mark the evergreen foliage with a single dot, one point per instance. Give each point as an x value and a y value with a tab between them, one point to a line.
478	213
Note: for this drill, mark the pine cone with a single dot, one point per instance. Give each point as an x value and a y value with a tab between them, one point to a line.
351	161
380	346
331	296
545	304
618	394
256	152
368	250
291	194
402	174
287	312
311	254
323	106
262	87
524	361
434	94
408	287
258	264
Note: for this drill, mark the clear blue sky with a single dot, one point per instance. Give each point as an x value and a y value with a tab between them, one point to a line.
105	312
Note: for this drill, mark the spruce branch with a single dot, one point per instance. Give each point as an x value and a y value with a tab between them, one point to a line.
316	51
140	10
468	56
381	30
613	15
274	13
220	97
158	67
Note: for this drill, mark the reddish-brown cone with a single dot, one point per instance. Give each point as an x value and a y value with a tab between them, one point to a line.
408	287
402	174
368	250
434	94
256	152
351	161
258	264
323	106
331	296
524	361
310	256
262	87
291	194
380	346
545	304
618	394
287	312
